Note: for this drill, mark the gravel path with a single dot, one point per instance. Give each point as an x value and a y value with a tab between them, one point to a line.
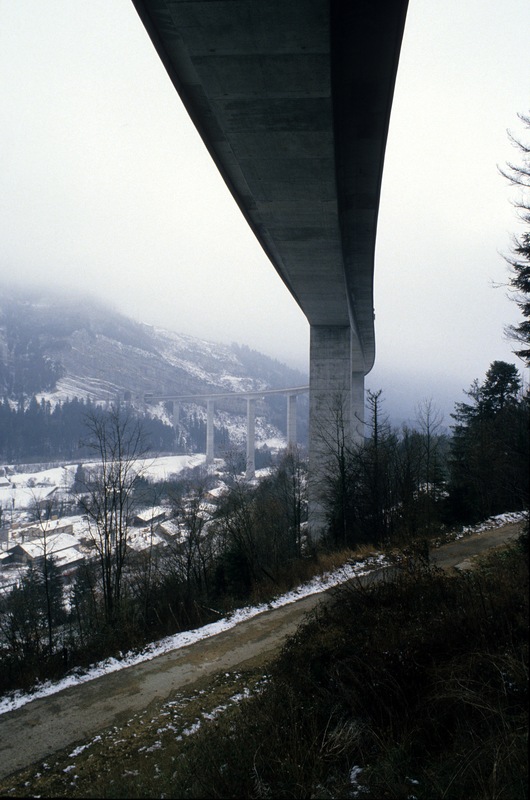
40	728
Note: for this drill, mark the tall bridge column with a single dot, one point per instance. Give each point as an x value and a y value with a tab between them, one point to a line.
251	443
330	411
291	420
176	415
209	431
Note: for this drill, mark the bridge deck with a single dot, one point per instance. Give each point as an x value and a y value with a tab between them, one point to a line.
190	398
292	99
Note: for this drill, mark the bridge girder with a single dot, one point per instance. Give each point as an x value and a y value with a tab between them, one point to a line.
292	100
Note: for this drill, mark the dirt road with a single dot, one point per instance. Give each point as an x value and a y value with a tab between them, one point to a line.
44	726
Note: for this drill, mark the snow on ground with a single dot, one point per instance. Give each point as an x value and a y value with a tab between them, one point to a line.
17	699
492	522
54	476
162	467
156	468
24	489
274	443
24	496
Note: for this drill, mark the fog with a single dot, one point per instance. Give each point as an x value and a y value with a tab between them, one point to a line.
108	189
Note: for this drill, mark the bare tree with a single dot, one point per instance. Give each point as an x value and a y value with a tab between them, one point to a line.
430	420
378	466
191	554
49	574
291	485
116	436
333	484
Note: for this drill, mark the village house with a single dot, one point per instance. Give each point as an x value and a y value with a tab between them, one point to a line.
151	516
34	531
63	547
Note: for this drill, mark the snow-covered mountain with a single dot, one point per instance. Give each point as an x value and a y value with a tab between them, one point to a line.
58	346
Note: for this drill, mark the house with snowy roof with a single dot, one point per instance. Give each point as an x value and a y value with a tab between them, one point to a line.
150	516
36	531
213	495
63	547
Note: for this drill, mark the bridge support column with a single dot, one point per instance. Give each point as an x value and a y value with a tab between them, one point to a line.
209	431
251	436
291	420
336	410
176	415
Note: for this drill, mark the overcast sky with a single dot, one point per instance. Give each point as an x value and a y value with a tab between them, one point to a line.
107	187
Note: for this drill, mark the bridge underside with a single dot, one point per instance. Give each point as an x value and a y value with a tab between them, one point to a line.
292	100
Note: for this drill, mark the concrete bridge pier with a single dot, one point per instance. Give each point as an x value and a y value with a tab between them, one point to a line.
174	408
251	445
175	415
303	157
336	409
209	431
291	421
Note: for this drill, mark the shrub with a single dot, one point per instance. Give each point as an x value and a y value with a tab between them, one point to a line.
420	681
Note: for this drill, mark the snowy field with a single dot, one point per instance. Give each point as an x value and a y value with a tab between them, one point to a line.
24	486
15	700
21	490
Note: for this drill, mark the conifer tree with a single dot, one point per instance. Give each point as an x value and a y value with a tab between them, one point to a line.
489	449
519	261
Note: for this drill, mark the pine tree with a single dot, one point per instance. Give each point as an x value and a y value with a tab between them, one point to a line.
489	449
519	175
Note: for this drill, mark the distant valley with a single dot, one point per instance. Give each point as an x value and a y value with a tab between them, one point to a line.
57	347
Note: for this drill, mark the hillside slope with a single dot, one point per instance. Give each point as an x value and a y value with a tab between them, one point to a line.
58	347
114	711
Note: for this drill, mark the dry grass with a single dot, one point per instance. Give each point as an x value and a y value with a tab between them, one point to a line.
420	682
137	759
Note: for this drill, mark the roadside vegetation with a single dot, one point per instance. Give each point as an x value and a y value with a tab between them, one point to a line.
416	687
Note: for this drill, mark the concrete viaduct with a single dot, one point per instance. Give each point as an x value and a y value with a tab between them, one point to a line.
251	398
292	98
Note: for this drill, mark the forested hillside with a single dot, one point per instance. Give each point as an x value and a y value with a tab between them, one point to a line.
60	355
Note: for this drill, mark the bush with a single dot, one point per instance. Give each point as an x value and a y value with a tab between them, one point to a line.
418	685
